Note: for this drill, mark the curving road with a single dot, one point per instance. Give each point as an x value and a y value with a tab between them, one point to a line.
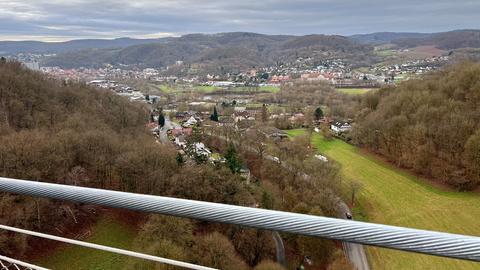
279	248
163	131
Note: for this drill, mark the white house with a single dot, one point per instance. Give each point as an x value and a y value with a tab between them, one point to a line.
180	141
201	149
340	126
190	122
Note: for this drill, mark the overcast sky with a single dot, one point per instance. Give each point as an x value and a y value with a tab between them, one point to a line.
55	20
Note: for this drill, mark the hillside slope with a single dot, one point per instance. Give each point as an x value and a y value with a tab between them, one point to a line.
230	51
385	37
446	40
390	195
430	125
13	47
68	134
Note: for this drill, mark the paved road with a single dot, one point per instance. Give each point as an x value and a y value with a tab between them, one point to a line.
354	252
279	248
163	131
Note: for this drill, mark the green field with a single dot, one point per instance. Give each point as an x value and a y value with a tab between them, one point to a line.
385	53
107	231
394	197
354	91
272	89
164	88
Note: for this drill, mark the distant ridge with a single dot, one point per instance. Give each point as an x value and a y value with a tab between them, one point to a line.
233	51
386	37
229	52
466	38
446	40
13	47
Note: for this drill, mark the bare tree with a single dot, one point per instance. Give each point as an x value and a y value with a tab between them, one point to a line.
355	187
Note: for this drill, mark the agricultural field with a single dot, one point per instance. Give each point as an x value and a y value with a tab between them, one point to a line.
107	231
354	91
395	197
155	89
272	89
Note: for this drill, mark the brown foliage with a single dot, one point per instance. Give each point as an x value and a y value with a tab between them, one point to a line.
430	125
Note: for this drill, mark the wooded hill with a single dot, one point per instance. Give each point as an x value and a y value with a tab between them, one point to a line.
446	40
225	51
431	125
77	135
443	40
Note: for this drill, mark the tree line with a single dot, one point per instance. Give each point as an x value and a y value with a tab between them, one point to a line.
430	125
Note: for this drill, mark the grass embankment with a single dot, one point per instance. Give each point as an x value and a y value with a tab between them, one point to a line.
107	231
393	196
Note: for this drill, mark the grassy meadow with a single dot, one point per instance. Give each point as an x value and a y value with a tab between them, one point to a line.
107	231
354	91
395	197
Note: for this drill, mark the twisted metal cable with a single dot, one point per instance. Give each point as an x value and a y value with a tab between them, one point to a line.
109	249
422	241
16	264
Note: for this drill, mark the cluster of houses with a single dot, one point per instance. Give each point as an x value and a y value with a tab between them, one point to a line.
411	67
121	90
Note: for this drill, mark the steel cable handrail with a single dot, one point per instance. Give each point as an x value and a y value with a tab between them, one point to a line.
407	239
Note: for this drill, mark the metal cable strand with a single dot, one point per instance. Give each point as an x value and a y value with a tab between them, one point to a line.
16	263
422	241
107	248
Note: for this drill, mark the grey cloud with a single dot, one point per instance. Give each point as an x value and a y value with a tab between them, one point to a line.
109	18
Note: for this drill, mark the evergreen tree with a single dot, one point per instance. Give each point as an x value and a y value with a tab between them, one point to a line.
161	120
318	113
196	135
233	161
214	116
179	159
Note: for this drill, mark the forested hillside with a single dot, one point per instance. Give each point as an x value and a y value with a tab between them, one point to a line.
431	125
68	134
445	40
227	52
76	135
13	47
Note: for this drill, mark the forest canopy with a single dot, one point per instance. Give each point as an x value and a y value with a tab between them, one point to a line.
431	125
72	134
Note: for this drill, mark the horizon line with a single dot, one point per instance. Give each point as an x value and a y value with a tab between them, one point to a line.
60	39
